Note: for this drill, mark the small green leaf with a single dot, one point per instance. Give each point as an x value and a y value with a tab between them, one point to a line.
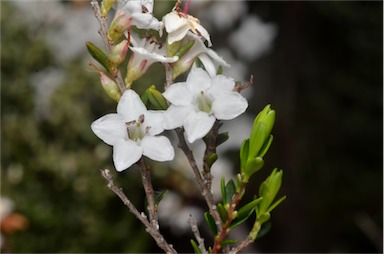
228	241
211	159
98	55
230	190
244	150
223	192
253	165
144	98
263	218
159	196
221	138
243	211
195	247
266	145
222	212
185	48
211	222
257	139
273	206
265	228
239	220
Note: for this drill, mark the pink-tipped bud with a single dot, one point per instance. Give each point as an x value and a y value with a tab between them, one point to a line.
110	87
118	53
118	27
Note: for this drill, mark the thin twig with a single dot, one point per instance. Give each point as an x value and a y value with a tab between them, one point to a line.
103	31
153	231
210	149
147	183
207	194
196	232
247	241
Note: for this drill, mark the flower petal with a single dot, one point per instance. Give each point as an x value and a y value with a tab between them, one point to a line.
228	105
197	125
126	153
175	115
198	80
157	148
221	84
208	64
154	121
178	94
203	32
130	106
110	128
173	22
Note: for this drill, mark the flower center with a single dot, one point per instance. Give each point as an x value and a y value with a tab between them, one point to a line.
204	102
135	129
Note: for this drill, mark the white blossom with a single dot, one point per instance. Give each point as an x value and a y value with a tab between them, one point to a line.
132	132
198	102
177	24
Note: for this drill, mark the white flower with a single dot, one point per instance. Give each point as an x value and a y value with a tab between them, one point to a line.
199	101
177	24
145	52
132	132
139	13
206	55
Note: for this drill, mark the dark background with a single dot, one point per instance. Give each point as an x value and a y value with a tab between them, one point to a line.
324	78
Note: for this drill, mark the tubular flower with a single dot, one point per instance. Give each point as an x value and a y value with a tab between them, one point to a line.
145	52
177	24
198	102
206	55
132	132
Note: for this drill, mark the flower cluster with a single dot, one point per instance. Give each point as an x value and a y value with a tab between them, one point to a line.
195	104
193	109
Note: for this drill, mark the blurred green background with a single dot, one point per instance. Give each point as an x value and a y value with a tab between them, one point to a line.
323	76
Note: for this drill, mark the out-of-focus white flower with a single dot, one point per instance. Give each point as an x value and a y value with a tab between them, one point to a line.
253	38
132	132
199	101
207	56
139	13
177	24
146	51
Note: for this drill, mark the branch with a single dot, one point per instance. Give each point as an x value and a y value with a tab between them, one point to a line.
103	31
196	232
147	183
199	179
210	142
153	231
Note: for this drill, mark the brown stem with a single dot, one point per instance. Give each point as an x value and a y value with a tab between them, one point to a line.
210	149
103	31
205	192
147	183
153	231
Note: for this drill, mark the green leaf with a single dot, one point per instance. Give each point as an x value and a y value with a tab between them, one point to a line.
263	218
239	220
195	247
222	212
185	48
253	165
273	206
243	211
144	98
199	63
219	70
98	55
230	190
228	241
159	196
257	139
265	228
221	138
211	159
223	192
211	222
156	98
266	145
244	150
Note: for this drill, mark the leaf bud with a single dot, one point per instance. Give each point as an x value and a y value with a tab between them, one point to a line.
156	98
268	190
109	85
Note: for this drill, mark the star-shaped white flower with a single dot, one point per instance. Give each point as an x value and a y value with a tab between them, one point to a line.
177	24
146	51
132	132
199	101
139	13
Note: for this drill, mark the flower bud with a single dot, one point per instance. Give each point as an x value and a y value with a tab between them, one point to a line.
106	5
110	87
118	53
268	190
260	134
156	98
118	27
